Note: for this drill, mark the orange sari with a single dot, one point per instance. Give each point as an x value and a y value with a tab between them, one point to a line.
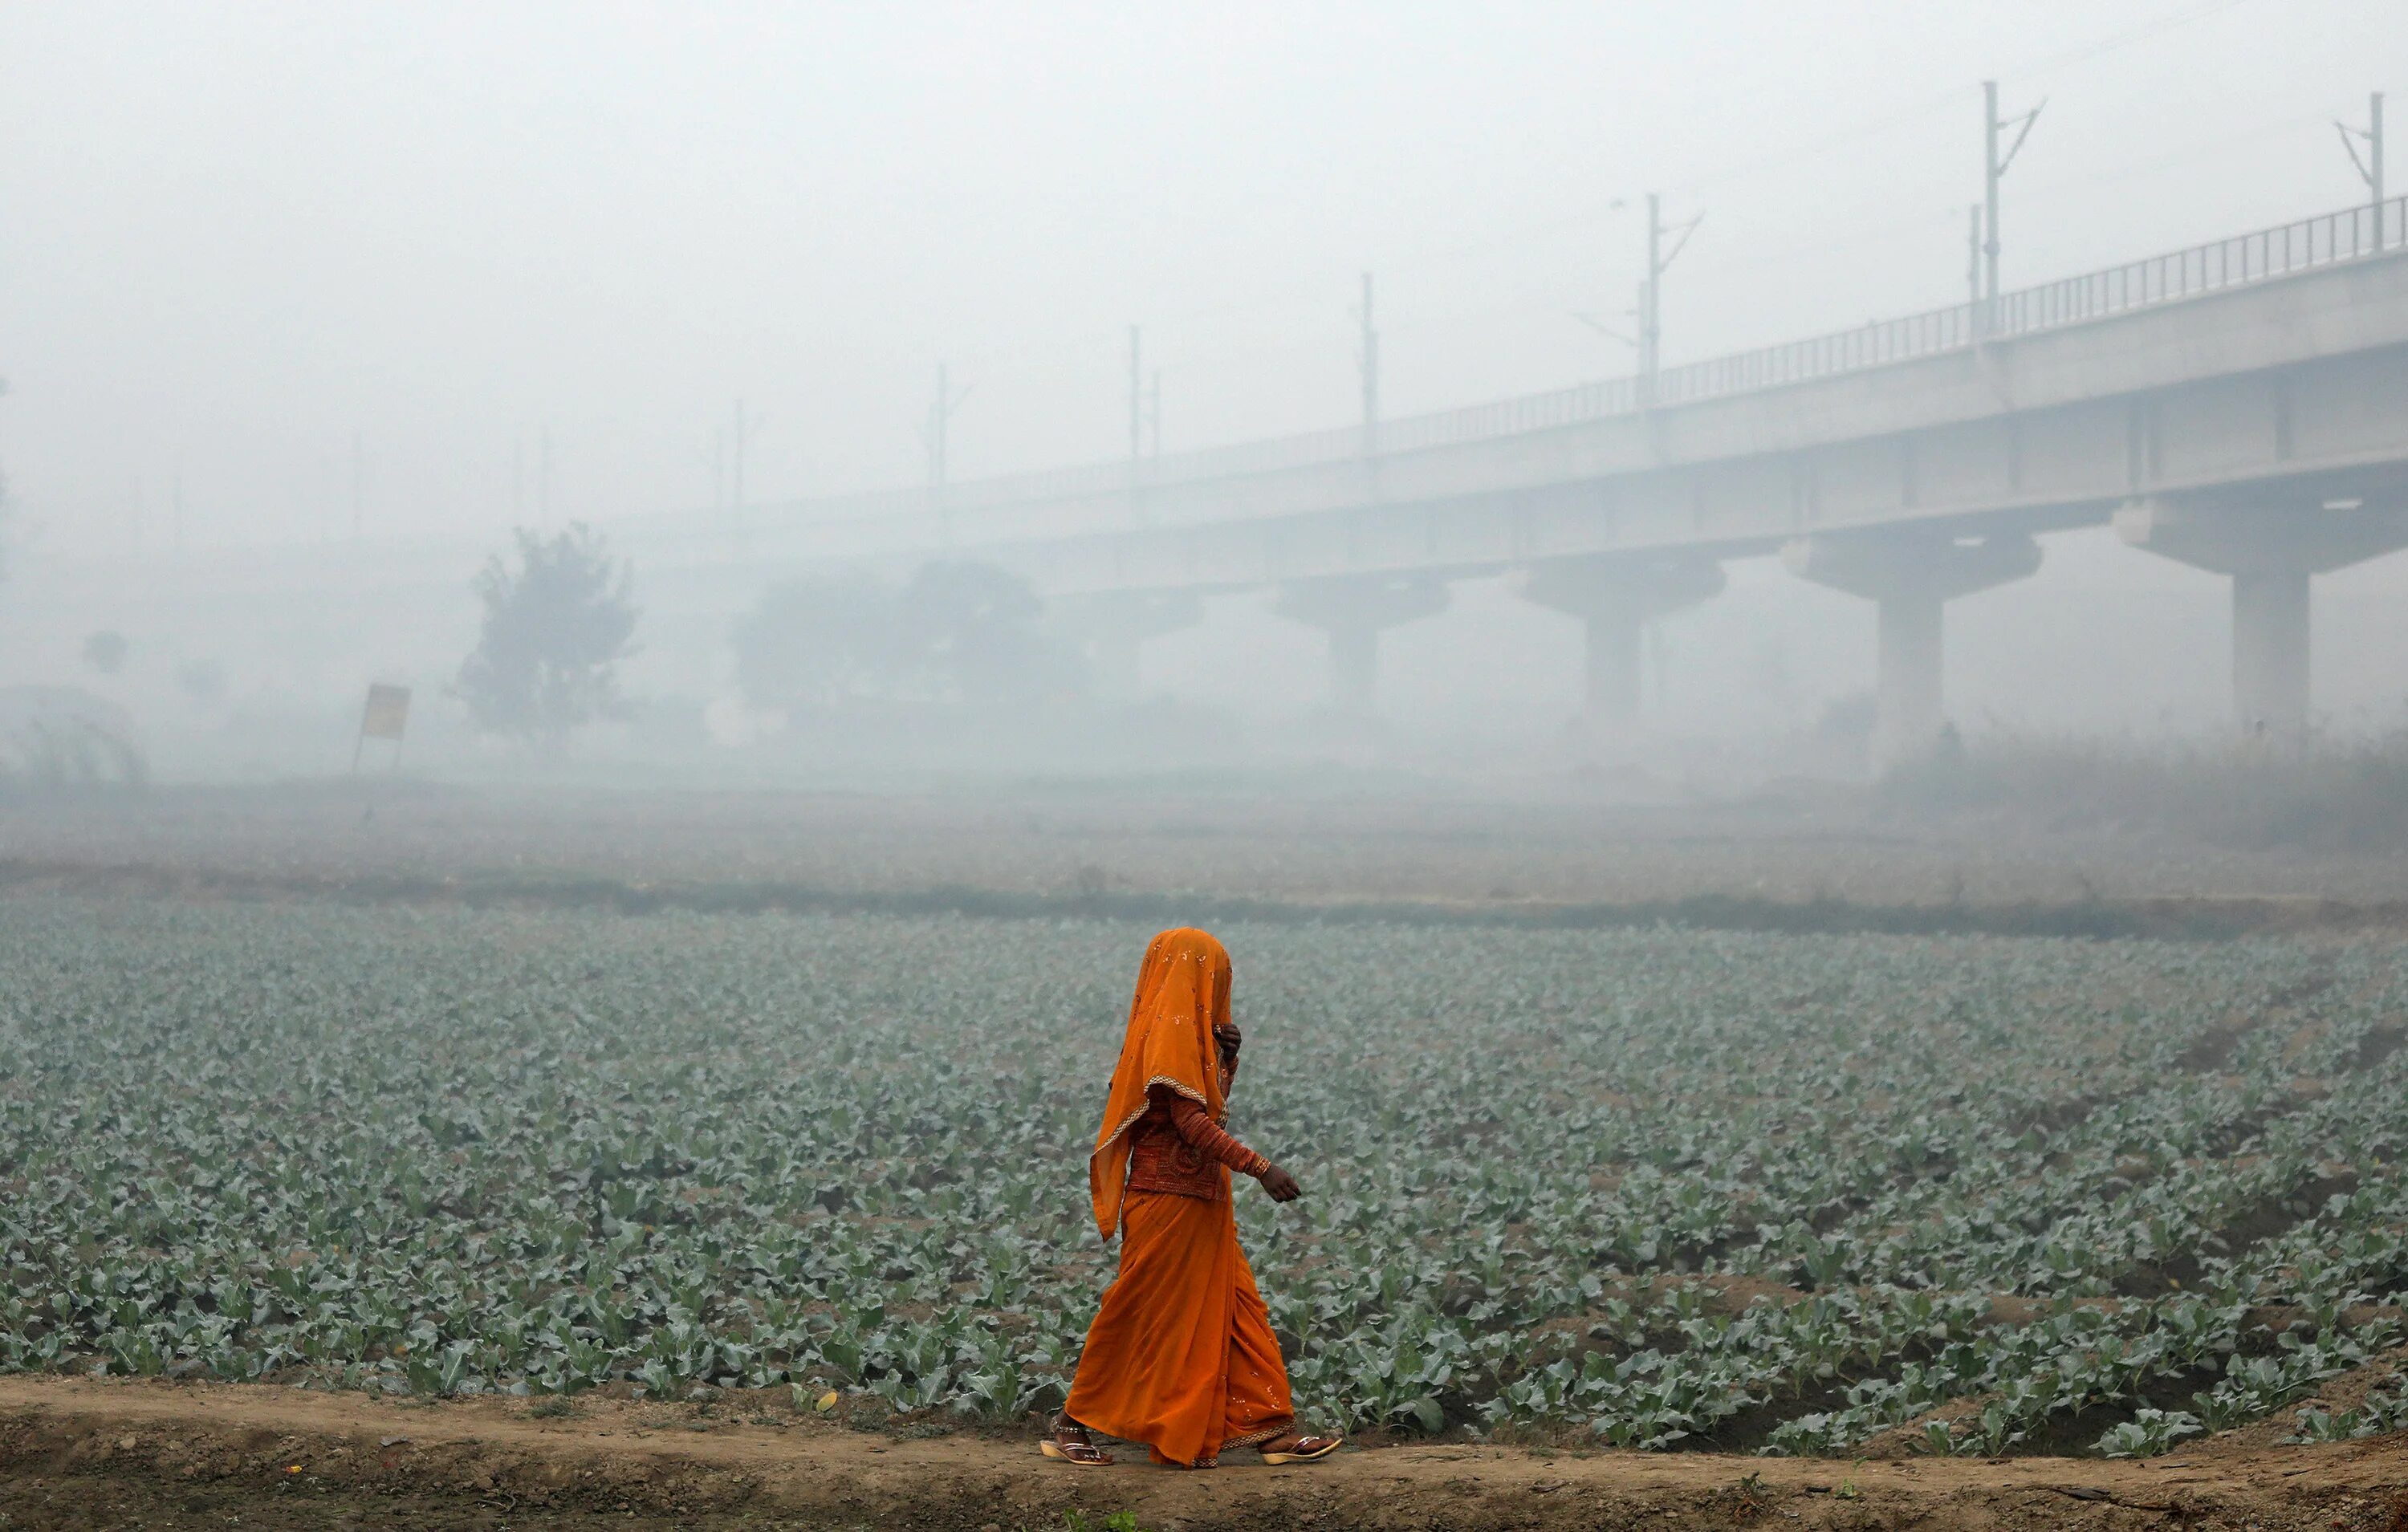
1180	1355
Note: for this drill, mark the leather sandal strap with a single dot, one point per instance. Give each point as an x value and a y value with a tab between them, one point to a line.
1308	1445
1072	1442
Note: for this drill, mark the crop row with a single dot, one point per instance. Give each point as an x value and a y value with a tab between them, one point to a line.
1671	1188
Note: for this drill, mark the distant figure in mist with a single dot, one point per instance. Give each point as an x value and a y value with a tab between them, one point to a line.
1180	1355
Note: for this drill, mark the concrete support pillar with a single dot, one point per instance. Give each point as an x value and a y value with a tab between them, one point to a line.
1610	692
1910	653
1910	576
2269	648
1113	628
2271	551
1353	609
1353	667
1615	597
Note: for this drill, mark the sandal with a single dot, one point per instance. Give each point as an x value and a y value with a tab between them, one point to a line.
1305	1449
1069	1442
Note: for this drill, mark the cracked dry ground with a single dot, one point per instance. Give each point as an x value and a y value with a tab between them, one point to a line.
128	1454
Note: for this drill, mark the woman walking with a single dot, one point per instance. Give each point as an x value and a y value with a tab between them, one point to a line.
1180	1355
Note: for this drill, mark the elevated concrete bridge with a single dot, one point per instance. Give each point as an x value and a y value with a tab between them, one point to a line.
2240	405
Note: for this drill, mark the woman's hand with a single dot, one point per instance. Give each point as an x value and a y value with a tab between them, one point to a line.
1280	1184
1227	1036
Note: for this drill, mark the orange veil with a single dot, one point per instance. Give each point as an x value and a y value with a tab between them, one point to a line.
1182	992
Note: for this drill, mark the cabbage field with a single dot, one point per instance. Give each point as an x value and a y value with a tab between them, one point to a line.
1658	1189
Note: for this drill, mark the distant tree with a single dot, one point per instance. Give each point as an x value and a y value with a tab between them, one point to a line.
958	631
813	642
555	629
974	631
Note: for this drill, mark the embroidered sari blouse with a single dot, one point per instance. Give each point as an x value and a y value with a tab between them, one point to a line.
1176	1147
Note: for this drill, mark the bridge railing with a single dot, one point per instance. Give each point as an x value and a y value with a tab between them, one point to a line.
2263	255
2243	258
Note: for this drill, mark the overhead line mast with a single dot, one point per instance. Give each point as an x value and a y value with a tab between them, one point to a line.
940	416
1994	169
2369	169
1135	399
1650	297
1367	360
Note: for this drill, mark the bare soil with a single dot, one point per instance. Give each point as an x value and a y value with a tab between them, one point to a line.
1806	864
78	1452
1075	836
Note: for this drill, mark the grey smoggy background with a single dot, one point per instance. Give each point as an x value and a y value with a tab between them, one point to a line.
391	279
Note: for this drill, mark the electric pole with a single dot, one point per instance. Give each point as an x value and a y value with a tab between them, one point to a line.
1994	167
543	477
1650	318
746	422
935	436
940	415
1137	399
1651	297
2369	169
1973	258
1368	360
741	442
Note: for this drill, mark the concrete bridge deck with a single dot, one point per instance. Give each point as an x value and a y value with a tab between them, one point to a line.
2242	406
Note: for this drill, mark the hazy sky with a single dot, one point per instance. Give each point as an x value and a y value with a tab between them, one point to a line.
235	238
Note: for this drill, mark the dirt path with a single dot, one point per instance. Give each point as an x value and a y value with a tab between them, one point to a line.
78	1453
